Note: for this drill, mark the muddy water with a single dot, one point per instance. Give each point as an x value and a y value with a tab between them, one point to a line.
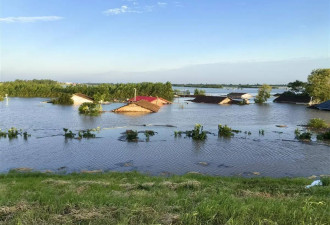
275	154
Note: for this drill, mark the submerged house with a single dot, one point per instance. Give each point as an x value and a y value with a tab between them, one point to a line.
236	95
154	100
323	106
79	99
294	99
212	99
139	106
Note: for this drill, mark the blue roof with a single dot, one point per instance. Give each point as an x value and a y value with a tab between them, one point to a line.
324	105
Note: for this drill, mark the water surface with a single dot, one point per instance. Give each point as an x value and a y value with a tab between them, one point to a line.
275	154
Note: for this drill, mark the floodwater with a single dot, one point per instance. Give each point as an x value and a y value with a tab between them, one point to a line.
275	154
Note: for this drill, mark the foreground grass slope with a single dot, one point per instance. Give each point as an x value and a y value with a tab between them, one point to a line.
133	198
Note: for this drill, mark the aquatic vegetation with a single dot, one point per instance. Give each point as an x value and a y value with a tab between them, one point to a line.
262	132
225	131
297	132
317	123
197	133
68	133
149	133
177	133
85	134
249	132
91	109
13	133
81	134
303	136
131	135
26	135
324	136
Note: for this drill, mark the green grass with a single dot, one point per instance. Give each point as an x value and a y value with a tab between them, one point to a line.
134	198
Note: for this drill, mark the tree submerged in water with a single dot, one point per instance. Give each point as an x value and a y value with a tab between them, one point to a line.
263	94
92	109
64	99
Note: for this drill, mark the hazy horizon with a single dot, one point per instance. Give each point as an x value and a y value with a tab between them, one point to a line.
178	41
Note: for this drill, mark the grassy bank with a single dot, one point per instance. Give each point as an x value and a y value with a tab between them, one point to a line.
133	198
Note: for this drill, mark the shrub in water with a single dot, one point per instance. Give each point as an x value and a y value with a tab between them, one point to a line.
86	134
64	99
89	108
304	136
224	131
197	133
68	133
317	123
324	136
149	133
131	135
177	133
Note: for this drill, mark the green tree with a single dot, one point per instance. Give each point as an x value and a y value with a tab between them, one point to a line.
319	85
263	94
64	99
297	86
91	109
199	92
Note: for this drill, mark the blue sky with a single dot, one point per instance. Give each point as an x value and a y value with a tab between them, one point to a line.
186	41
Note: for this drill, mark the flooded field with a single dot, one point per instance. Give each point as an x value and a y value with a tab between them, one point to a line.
275	154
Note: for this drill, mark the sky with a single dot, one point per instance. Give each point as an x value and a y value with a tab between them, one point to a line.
182	41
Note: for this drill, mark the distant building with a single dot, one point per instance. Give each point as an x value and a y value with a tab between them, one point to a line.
79	99
236	95
139	106
212	99
154	100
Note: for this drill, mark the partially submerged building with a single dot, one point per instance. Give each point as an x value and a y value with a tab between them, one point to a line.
212	99
154	100
79	99
139	106
322	106
236	95
294	99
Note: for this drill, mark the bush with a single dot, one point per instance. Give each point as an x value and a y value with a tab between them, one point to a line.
90	108
317	123
197	133
68	133
224	131
324	136
304	136
131	135
86	134
64	99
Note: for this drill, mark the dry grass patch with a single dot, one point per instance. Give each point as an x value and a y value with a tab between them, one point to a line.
193	184
56	182
248	193
6	211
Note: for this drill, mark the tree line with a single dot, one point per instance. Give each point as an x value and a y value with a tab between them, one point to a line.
105	92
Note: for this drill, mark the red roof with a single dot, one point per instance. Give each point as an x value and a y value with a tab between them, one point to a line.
146	98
